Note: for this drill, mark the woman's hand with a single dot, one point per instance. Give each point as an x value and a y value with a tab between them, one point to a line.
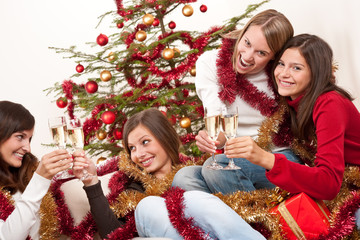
81	163
245	147
204	142
54	162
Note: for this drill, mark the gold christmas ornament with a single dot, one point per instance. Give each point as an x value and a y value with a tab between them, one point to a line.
105	76
140	35
185	122
148	19
168	53
111	57
100	159
101	134
193	71
176	52
187	10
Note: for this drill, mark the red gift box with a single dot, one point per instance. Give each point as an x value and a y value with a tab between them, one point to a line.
303	217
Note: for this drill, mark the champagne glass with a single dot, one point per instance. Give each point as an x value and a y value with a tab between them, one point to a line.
212	125
76	139
229	123
58	131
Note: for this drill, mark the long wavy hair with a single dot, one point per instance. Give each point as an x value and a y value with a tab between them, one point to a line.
15	118
156	122
319	57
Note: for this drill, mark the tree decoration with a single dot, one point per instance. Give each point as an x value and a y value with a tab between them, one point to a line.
120	24
108	117
102	39
148	19
156	22
185	122
91	86
111	57
168	53
79	68
187	10
176	52
203	8
61	102
117	134
193	71
100	159
140	35
172	25
105	75
101	134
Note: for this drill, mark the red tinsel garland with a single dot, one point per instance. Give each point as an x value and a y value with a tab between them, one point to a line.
128	231
174	201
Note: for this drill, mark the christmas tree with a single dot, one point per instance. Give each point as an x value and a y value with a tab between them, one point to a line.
145	63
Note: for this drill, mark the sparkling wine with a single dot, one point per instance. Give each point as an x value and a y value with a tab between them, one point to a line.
59	135
76	137
212	125
229	124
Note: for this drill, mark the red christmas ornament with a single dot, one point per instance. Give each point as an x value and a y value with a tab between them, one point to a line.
117	134
79	68
156	22
102	39
61	102
108	117
120	24
91	86
203	8
172	25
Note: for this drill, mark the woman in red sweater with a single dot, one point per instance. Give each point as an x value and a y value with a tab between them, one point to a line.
323	117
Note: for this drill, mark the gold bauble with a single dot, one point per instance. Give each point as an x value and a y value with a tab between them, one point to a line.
193	71
148	19
187	10
140	35
185	122
168	53
101	134
176	52
111	57
105	76
100	159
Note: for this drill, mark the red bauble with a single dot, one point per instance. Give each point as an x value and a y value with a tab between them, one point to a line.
91	86
171	119
203	8
117	134
172	25
61	102
79	68
108	117
102	39
156	22
120	24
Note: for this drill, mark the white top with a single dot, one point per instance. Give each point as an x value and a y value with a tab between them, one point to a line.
25	219
207	88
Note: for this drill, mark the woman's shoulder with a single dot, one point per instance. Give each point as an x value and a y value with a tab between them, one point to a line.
333	97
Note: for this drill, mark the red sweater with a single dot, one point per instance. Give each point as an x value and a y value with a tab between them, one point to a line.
337	123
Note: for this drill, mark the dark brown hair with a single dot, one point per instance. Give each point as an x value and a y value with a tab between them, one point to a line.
156	122
319	57
15	118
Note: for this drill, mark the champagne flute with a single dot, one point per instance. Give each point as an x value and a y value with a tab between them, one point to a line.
76	139
212	125
58	131
229	123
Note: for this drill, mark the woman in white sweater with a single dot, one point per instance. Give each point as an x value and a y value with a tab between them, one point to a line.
23	180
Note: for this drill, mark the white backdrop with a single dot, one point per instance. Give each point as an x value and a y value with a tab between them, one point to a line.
28	28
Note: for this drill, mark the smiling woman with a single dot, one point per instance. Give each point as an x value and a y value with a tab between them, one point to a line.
18	182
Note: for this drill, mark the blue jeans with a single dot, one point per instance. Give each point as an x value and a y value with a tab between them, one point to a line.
209	213
249	177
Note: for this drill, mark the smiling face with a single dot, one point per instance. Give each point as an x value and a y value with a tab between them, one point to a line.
292	74
147	152
253	52
14	148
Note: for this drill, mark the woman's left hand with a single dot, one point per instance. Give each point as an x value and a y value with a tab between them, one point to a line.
245	147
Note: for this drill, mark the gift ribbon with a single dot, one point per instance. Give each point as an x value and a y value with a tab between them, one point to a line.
324	213
291	221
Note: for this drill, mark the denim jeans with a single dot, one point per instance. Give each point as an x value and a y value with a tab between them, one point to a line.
249	177
216	219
